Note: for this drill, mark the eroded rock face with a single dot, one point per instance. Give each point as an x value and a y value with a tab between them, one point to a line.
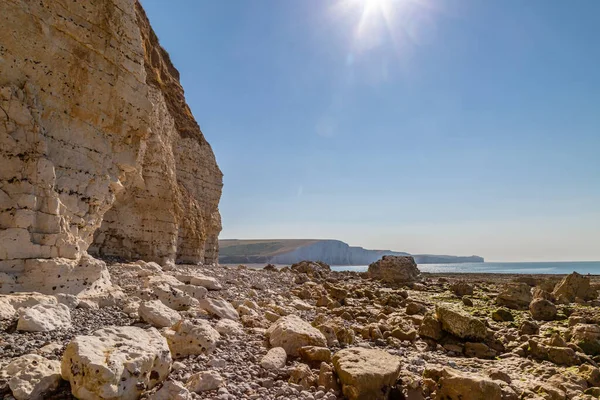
99	150
172	213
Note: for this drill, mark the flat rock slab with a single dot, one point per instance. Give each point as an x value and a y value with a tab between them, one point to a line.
366	374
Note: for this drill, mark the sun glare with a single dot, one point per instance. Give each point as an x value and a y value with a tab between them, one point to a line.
374	21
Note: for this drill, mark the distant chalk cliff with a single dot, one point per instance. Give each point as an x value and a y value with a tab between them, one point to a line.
333	252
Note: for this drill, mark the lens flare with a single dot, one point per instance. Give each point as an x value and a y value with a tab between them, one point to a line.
375	21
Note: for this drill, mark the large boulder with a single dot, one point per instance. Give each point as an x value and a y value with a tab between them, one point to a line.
456	385
543	310
31	377
395	269
191	338
366	374
574	286
460	323
44	318
515	295
116	363
292	332
156	313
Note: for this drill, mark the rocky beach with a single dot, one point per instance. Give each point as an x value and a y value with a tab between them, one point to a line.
110	282
305	332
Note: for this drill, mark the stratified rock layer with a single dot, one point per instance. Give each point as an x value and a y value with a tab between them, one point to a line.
98	149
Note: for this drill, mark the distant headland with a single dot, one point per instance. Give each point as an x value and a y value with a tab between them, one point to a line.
333	252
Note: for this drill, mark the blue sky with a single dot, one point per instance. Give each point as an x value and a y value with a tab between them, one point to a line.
456	127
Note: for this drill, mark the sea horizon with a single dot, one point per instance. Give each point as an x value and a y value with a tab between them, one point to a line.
509	267
512	267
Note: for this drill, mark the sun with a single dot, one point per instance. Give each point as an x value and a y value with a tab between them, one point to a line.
373	22
370	6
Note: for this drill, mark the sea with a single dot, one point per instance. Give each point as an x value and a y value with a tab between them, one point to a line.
563	267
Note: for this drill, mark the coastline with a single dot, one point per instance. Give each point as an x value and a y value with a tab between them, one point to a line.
559	268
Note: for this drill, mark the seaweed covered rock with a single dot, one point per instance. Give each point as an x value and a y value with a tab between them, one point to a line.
460	323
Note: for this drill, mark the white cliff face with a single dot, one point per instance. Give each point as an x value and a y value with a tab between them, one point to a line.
333	252
74	113
97	145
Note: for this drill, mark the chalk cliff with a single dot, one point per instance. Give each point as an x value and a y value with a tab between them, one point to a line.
333	252
98	148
